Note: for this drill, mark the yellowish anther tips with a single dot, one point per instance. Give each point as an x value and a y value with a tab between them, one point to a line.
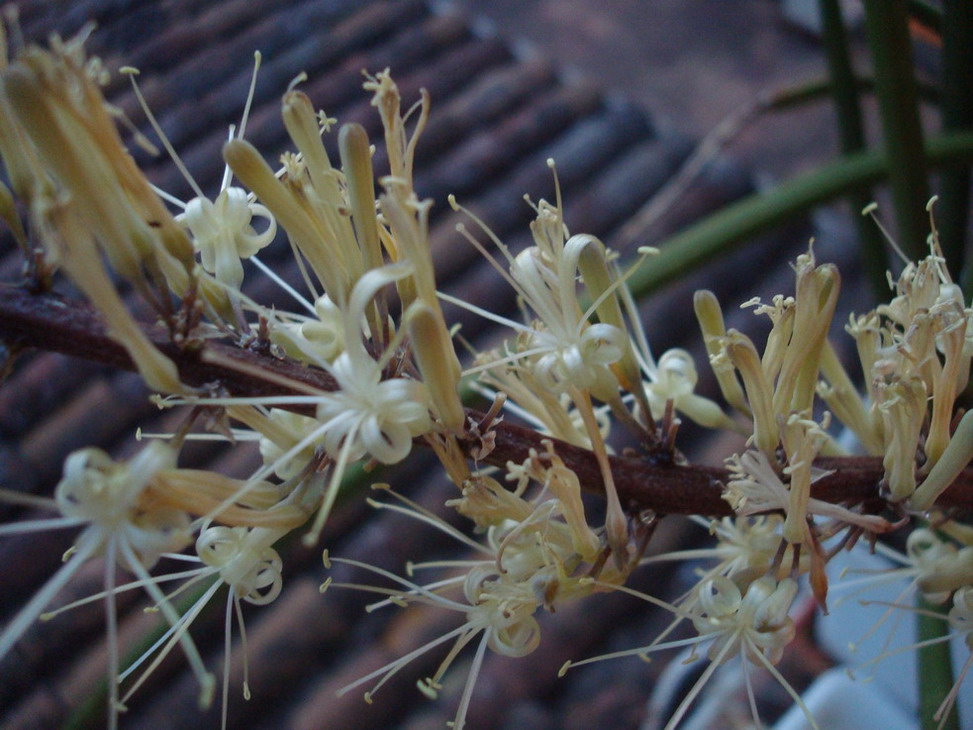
931	204
326	559
47	616
451	199
257	58
129	71
410	568
647	251
150	609
429	688
550	163
246	691
870	208
367	697
299	79
323	588
564	668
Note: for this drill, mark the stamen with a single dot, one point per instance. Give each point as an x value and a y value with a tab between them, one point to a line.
176	159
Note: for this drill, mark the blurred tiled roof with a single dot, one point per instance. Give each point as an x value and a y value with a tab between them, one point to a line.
496	118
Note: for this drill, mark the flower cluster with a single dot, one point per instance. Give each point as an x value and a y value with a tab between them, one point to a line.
538	554
365	370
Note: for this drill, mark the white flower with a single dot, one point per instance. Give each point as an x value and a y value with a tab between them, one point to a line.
674	378
497	608
961	614
310	339
570	352
105	497
221	229
241	559
368	415
223	234
746	548
940	566
528	563
750	621
755	622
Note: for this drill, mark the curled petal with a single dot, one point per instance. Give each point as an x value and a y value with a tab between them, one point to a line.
265	580
387	442
719	596
517	640
603	344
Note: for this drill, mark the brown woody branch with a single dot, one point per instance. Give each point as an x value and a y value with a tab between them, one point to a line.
47	322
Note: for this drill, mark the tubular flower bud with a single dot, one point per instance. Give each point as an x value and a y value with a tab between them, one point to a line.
742	353
304	231
710	318
814	304
903	408
434	353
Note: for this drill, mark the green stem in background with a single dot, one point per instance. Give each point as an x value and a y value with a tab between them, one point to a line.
887	27
757	213
716	140
844	91
639	226
935	671
952	215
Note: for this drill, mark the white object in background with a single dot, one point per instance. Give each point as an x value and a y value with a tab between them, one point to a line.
889	684
839	702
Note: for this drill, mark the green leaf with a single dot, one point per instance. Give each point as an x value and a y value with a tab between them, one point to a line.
935	673
740	221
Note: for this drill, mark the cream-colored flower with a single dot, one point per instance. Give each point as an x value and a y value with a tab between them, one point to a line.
107	499
223	233
528	563
675	381
755	487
